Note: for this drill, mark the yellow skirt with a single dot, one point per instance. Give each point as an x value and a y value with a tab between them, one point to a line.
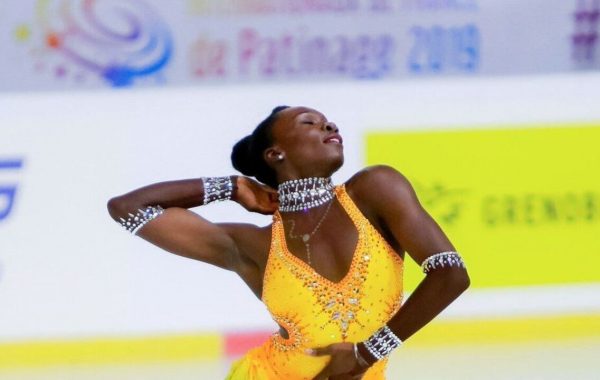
255	365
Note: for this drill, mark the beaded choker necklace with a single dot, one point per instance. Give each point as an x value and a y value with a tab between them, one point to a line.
304	193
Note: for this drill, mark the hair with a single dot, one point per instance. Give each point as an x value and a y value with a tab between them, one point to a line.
247	155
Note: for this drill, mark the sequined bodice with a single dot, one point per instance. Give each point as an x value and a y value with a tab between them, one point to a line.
316	311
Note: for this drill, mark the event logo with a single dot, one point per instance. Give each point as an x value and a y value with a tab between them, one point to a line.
8	192
447	204
585	37
117	41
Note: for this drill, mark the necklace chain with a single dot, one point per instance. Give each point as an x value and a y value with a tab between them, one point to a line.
306	237
304	193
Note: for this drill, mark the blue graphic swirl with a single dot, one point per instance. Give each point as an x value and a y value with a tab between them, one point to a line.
119	40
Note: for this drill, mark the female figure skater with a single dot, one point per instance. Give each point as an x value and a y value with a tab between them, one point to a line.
329	267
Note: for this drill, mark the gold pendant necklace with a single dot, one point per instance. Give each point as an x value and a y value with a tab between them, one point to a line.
306	237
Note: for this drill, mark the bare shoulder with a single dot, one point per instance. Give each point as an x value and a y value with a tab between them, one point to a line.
380	185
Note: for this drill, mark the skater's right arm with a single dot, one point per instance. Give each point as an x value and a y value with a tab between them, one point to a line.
185	233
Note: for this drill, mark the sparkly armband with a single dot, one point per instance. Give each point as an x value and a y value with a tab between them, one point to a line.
217	189
441	260
134	222
382	343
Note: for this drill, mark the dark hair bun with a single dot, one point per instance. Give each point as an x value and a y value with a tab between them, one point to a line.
247	155
242	157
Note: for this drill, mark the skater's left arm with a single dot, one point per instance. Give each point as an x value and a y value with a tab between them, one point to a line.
395	204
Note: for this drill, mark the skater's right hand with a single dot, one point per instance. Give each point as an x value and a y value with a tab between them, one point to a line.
255	196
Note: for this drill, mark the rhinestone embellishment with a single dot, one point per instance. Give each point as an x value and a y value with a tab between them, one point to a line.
304	193
133	223
441	260
339	300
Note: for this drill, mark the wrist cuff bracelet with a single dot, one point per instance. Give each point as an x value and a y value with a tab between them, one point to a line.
441	260
217	189
382	343
133	223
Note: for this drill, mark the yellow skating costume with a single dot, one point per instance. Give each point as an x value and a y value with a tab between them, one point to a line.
317	312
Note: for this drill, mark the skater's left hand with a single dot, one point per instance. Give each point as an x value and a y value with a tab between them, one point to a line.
343	364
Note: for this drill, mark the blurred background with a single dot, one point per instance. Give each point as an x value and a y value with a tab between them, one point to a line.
490	107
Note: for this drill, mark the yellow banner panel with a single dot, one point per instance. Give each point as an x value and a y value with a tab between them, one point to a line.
111	351
522	205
